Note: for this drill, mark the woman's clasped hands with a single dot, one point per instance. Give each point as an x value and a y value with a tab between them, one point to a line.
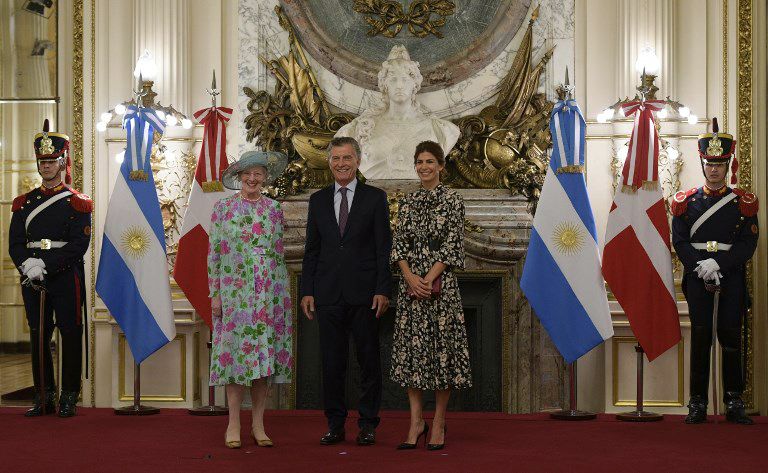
418	287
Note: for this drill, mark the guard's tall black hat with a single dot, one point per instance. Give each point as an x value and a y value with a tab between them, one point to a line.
51	146
718	147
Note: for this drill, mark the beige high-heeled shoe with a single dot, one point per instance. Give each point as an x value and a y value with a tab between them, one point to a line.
232	443
262	442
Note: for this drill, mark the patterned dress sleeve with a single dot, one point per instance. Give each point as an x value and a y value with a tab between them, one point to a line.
214	251
451	251
401	241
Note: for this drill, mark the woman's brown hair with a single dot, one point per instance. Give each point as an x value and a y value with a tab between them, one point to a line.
432	148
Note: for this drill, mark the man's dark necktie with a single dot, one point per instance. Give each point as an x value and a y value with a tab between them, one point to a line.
343	210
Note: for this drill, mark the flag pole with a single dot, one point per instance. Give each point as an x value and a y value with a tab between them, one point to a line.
639	414
136	409
211	409
572	413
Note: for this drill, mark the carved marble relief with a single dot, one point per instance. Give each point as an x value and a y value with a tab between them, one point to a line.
502	147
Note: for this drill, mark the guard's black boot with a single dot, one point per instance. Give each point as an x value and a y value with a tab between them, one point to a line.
697	410
68	403
734	409
50	403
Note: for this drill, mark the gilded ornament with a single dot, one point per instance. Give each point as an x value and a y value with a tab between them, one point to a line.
78	98
387	17
744	133
715	147
46	145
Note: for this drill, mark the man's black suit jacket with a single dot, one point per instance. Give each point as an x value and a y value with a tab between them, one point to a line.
353	267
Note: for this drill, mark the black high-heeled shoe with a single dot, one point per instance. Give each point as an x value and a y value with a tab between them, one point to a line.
411	446
438	446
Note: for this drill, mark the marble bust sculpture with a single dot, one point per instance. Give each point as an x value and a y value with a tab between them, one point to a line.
389	132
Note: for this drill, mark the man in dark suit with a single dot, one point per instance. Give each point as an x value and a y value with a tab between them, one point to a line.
346	281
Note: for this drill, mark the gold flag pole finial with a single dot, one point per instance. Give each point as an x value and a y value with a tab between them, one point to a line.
535	14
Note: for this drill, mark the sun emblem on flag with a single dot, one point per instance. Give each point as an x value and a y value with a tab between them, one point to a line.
135	242
568	238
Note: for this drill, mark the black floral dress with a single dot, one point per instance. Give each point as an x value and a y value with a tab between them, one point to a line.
430	342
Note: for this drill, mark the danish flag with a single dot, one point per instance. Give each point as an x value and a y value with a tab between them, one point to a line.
637	259
191	268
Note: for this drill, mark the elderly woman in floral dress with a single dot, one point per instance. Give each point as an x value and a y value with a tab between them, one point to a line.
249	289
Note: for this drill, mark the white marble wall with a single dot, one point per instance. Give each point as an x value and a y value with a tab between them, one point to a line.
260	33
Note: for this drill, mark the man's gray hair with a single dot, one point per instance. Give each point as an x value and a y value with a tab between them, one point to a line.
337	141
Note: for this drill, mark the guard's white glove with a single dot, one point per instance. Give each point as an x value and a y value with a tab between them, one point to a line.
36	273
29	263
715	278
707	268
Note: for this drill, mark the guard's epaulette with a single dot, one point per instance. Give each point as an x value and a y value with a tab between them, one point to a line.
680	201
18	202
748	203
81	202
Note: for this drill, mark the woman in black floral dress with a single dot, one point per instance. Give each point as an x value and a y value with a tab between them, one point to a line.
430	342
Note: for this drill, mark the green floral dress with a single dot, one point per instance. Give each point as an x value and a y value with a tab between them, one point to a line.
246	267
430	349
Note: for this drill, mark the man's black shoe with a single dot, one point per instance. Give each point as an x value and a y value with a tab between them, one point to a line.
68	403
332	437
367	436
50	404
735	411
697	410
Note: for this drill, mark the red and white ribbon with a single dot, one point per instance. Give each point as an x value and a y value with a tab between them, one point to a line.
213	156
642	160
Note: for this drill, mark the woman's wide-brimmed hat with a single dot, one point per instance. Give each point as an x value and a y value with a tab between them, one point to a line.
274	162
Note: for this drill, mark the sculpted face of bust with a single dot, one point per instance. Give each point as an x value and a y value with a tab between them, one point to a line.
399	85
389	131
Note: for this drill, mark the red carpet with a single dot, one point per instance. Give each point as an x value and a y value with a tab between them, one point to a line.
97	440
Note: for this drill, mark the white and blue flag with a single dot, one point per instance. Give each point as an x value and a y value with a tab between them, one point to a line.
562	278
133	279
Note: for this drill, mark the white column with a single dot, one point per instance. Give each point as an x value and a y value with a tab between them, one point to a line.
646	23
162	26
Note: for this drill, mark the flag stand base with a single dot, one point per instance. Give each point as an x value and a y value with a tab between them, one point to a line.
211	409
572	413
639	415
137	409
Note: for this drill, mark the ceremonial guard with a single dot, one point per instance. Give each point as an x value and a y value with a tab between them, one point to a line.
714	231
49	234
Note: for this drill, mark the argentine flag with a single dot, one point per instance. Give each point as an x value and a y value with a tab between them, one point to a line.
133	279
562	278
